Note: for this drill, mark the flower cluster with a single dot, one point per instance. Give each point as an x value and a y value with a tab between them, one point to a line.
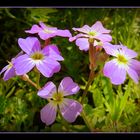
45	59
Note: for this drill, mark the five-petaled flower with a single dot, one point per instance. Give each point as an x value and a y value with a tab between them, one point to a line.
116	69
96	32
69	108
46	32
45	60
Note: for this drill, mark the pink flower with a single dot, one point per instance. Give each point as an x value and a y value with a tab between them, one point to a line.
123	63
46	32
45	60
69	108
96	31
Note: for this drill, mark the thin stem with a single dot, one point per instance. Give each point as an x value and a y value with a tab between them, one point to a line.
26	78
38	80
92	54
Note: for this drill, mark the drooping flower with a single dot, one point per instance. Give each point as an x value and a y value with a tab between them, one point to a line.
69	108
96	32
9	69
46	32
45	60
123	63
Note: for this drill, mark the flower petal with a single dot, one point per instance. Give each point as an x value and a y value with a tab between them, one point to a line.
116	74
68	87
84	29
133	74
4	69
9	73
43	26
48	113
48	67
77	36
82	43
52	52
103	37
70	109
35	29
27	44
47	91
63	33
44	35
23	64
135	64
99	27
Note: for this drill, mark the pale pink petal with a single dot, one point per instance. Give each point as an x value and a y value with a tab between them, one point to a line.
23	64
27	44
84	29
70	109
48	113
103	37
68	87
52	52
63	33
34	29
116	74
83	44
133	74
48	67
99	27
78	36
47	91
4	69
44	35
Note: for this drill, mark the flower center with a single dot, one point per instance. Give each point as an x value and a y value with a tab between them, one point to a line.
10	65
58	97
48	31
37	56
92	33
122	59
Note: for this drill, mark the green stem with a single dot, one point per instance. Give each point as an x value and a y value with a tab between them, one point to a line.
38	80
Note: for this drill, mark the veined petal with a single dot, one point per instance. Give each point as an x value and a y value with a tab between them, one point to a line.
9	73
27	44
70	109
133	74
82	43
84	29
35	29
52	52
134	64
103	37
99	27
63	33
68	87
47	91
111	49
23	64
48	67
116	74
48	113
128	52
78	36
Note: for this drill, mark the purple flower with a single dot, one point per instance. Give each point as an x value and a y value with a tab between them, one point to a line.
117	68
9	69
69	108
46	32
96	31
45	60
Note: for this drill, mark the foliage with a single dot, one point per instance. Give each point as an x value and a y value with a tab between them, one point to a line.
107	107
